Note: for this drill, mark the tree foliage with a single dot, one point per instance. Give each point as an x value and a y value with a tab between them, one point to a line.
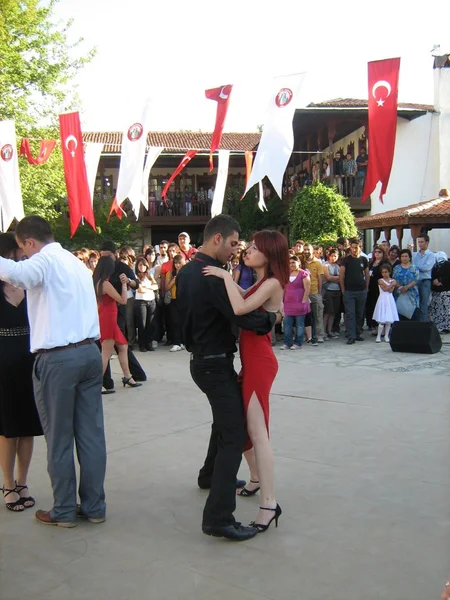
319	215
250	217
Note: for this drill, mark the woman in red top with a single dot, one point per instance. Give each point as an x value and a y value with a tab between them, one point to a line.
268	255
110	334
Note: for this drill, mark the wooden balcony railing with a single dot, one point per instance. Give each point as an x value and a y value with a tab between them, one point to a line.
175	212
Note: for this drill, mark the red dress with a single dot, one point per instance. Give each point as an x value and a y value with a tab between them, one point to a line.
107	312
259	367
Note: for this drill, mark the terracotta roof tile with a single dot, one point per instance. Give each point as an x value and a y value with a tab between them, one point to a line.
439	208
173	140
356	103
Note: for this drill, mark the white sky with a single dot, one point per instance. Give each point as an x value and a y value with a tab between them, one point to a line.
172	50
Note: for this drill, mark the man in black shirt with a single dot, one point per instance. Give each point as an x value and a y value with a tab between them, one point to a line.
108	248
354	280
207	319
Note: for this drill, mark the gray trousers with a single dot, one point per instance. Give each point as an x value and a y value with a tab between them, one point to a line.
67	388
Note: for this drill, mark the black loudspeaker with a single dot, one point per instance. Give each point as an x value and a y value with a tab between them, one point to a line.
412	336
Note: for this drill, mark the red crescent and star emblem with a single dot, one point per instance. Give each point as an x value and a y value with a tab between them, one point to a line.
7	152
283	97
135	132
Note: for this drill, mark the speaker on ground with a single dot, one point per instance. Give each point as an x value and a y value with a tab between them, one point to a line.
412	336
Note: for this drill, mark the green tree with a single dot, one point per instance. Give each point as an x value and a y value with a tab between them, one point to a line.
319	215
250	217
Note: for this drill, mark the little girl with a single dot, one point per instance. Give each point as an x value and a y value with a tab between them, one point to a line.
385	312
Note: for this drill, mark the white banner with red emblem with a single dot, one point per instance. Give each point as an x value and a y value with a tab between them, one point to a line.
134	141
152	155
277	140
11	204
221	182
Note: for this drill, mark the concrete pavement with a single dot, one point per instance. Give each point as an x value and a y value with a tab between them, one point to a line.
361	440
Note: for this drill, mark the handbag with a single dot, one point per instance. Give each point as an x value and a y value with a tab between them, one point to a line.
405	305
168	297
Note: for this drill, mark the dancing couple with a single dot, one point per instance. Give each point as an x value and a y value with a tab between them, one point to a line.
210	301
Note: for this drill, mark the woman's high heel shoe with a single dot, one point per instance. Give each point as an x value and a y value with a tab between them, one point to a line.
16	506
260	527
245	493
127	381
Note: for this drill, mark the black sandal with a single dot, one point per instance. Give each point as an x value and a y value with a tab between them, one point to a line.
28	502
245	493
16	506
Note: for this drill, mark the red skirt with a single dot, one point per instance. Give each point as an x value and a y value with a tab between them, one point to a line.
109	330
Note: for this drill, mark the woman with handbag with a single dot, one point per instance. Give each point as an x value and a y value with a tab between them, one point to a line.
406	294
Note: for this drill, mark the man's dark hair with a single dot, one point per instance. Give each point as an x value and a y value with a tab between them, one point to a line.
425	237
341	241
353	241
34	227
163	242
108	246
223	224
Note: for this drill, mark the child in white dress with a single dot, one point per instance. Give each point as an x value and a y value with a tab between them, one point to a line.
385	312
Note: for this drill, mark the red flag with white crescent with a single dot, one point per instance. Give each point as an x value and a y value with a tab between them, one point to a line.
186	159
222	96
45	149
78	194
383	95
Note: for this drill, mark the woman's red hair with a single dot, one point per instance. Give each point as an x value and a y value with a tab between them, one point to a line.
274	246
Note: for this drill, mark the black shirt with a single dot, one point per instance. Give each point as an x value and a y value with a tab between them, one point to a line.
120	268
206	314
355	276
338	166
362	159
441	271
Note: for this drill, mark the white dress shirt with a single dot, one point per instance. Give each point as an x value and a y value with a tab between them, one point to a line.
62	307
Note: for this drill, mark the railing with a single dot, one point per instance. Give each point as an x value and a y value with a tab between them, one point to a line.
177	208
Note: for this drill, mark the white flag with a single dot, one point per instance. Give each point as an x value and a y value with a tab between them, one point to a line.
221	182
277	140
152	155
134	141
11	204
92	158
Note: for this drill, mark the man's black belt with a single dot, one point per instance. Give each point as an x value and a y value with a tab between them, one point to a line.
210	356
58	348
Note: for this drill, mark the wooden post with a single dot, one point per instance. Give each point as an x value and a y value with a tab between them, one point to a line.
376	234
416	230
387	233
399	232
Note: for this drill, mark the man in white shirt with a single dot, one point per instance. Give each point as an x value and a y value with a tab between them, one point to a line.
67	377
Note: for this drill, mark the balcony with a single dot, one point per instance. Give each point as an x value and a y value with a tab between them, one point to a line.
176	212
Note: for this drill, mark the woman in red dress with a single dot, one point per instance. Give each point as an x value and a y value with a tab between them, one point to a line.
268	255
110	334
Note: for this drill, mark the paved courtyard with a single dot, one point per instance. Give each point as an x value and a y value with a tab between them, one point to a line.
361	438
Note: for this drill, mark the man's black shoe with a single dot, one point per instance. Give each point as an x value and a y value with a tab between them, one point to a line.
235	533
205	484
350	341
359	338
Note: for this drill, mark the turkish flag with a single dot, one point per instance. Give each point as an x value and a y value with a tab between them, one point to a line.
383	95
78	194
222	96
45	149
186	159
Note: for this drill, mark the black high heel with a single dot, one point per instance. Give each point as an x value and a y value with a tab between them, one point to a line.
29	501
260	527
16	506
127	381
245	493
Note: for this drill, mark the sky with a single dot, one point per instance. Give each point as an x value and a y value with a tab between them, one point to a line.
172	50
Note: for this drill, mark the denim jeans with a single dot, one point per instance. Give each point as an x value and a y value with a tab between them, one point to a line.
359	183
289	321
424	287
355	303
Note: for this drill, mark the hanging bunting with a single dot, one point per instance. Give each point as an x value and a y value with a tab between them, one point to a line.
277	140
11	204
115	208
78	194
152	155
261	202
383	94
222	96
92	152
45	149
221	182
248	155
186	159
134	141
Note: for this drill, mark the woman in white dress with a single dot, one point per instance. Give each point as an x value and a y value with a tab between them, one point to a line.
385	312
